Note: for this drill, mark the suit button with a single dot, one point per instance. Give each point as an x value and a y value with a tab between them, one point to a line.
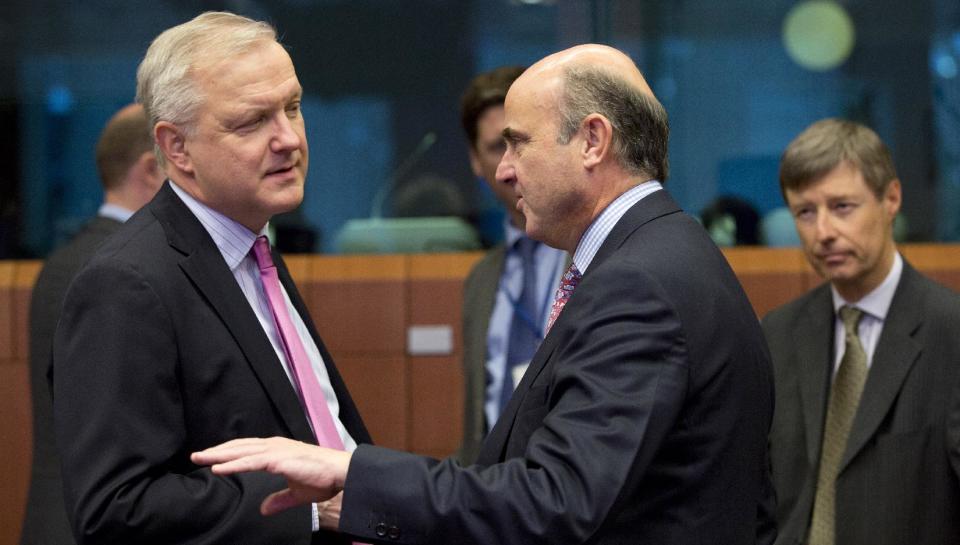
394	532
381	530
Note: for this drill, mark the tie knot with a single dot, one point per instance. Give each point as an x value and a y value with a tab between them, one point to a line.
525	246
261	251
850	316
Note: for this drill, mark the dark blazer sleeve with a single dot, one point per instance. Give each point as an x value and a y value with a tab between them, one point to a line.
594	426
122	427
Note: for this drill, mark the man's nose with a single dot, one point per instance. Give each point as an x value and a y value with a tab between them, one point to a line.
505	171
286	137
826	230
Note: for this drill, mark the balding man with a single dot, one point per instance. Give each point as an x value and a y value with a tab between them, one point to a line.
643	415
130	178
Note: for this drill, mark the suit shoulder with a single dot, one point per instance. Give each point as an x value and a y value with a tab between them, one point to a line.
488	267
66	261
783	317
937	304
938	295
141	236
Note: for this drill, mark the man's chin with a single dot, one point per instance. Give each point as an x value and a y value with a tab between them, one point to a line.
287	200
841	276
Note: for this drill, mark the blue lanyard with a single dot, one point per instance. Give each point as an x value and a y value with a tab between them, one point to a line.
524	315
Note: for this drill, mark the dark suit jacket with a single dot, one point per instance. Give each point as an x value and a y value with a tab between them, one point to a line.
45	520
898	480
479	296
158	354
642	418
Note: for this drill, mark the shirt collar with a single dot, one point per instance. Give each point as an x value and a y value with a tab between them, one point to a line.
114	212
600	228
877	302
511	233
232	239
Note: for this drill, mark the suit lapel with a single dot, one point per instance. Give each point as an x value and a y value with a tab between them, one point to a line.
895	354
650	207
495	444
814	341
204	265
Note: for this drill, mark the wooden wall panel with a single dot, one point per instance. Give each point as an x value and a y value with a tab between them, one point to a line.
359	304
15	448
360	317
25	275
435	412
435	287
768	291
6	312
379	387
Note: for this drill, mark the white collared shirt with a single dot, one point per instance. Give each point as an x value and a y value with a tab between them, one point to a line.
114	212
600	228
235	242
875	306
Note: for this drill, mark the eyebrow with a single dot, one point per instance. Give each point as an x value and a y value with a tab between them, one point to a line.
513	136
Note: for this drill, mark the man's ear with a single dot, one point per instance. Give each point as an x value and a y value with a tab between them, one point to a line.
892	198
172	143
597	139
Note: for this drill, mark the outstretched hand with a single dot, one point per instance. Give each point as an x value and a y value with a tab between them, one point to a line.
313	474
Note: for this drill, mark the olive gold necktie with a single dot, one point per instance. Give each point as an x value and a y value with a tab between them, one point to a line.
844	398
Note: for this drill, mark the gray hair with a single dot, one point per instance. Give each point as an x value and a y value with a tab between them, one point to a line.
165	78
640	127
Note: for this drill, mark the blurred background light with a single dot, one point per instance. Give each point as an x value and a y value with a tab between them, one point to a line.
818	34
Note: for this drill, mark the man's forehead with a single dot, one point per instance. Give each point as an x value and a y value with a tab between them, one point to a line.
253	77
828	188
537	91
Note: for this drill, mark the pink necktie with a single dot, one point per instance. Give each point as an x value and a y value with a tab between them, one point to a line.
304	378
567	284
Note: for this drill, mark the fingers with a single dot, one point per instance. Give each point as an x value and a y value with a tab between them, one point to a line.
280	501
230	450
236	448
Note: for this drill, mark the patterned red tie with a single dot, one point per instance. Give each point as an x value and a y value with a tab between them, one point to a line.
305	379
567	284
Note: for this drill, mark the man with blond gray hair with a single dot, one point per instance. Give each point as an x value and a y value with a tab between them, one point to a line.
865	443
644	414
185	329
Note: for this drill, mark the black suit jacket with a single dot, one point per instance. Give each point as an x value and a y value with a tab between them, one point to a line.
641	419
45	519
158	354
898	480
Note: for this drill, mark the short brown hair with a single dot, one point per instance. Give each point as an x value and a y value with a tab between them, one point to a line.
123	140
823	146
485	90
